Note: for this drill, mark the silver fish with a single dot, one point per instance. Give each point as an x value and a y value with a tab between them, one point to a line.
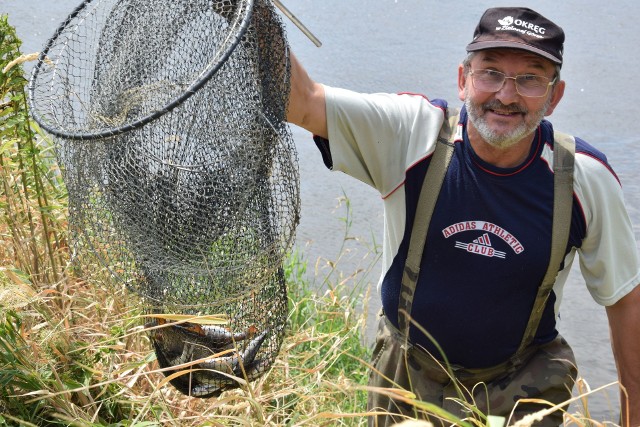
230	364
205	389
220	334
218	374
186	356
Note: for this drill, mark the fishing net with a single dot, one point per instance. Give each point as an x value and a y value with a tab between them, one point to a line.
169	123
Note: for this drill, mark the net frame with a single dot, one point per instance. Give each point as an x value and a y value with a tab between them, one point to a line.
240	25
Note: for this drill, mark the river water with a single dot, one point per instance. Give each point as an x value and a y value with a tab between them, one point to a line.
416	46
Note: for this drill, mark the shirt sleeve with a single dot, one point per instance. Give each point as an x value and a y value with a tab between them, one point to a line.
376	137
609	259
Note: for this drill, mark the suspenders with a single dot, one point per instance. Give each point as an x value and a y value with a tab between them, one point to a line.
426	203
564	149
563	161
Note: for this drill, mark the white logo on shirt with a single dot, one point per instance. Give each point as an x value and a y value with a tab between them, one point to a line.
482	245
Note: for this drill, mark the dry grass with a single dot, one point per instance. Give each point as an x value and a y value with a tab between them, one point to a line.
83	358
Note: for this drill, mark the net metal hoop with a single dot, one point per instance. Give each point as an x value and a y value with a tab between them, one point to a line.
205	76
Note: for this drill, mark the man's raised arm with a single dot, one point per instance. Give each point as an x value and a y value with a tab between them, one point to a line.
306	106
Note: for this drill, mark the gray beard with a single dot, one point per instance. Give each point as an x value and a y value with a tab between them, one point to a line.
508	139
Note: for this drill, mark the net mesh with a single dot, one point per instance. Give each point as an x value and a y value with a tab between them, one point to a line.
169	122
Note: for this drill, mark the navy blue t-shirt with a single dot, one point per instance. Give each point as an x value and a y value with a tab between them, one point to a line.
488	243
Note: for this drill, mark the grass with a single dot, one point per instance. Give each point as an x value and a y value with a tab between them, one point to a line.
73	351
86	361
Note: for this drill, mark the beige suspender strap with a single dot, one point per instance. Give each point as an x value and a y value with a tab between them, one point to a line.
563	160
426	203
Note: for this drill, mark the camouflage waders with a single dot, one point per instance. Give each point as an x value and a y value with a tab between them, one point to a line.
546	372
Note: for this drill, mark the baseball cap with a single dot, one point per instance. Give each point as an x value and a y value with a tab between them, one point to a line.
519	28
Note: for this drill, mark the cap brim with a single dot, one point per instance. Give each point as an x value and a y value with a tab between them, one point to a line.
494	44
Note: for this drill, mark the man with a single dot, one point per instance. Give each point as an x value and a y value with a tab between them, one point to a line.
489	238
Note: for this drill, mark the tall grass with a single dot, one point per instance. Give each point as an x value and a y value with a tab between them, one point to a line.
32	197
90	364
73	352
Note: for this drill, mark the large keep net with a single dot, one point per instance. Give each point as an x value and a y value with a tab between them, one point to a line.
169	123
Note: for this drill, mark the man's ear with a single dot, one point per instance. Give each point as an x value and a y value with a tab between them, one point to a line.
462	81
556	96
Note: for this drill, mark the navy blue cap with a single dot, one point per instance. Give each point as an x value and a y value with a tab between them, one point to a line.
518	28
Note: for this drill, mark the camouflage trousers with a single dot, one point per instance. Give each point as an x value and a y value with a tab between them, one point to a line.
547	372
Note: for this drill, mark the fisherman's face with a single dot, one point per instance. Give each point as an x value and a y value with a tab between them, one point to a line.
505	117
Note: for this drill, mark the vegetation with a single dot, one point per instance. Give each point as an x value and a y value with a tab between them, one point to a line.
73	351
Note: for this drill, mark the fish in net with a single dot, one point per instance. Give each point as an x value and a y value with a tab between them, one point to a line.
169	126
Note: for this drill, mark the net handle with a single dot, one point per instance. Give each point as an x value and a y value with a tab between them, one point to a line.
204	78
297	23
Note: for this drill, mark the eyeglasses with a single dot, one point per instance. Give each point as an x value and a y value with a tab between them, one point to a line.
529	85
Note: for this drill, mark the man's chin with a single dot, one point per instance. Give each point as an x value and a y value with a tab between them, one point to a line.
497	139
